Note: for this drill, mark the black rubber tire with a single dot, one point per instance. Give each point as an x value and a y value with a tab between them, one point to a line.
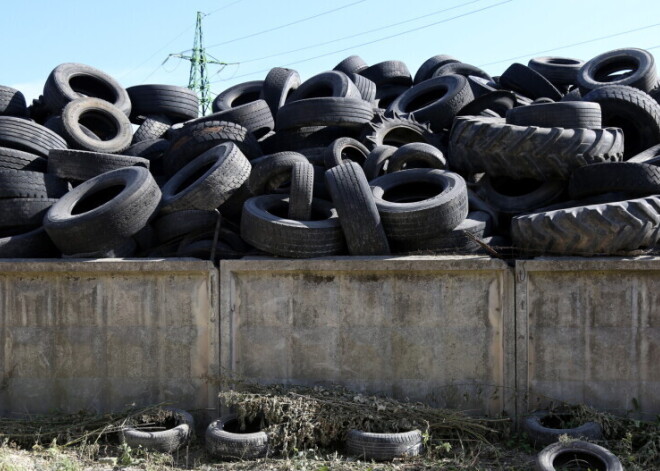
177	103
254	116
358	215
559	454
596	229
572	114
278	85
528	82
236	95
326	84
271	171
632	110
594	74
26	184
19	160
388	73
420	154
122	249
632	178
461	68
396	131
530	195
573	94
103	119
376	162
541	435
560	71
499	149
80	165
70	81
262	228
649	156
439	202
12	102
192	140
207	181
297	139
106	223
343	150
430	65
34	243
435	101
21	134
153	127
232	209
54	123
476	225
386	94
302	191
383	446
365	86
491	104
351	65
229	445
326	111
165	441
23	212
173	226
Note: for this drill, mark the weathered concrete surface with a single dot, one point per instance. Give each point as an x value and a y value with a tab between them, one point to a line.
435	329
107	333
588	332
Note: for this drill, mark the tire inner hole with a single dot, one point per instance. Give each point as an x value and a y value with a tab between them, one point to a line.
615	71
90	86
234	426
97	198
352	154
320	91
425	99
412	192
575	460
245	98
557	421
399	136
562	61
100	123
166	422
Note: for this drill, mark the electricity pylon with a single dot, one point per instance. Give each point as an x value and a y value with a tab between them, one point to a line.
199	80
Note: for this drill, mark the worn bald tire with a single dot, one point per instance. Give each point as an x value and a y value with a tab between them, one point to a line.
24	135
23	212
528	82
103	211
383	446
265	226
351	65
544	427
357	210
638	66
237	95
112	128
326	84
26	184
420	203
326	111
632	110
33	243
562	455
365	86
415	155
271	171
12	102
207	181
278	86
166	441
343	150
435	101
490	145
177	103
590	230
70	81
560	71
225	440
572	114
12	159
80	165
302	191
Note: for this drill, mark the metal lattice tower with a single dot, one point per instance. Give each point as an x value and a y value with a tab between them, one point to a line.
199	80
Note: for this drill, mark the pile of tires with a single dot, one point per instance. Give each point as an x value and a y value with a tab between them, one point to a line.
557	157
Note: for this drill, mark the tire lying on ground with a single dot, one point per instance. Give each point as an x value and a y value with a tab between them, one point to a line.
543	428
590	230
180	428
383	446
577	455
226	440
103	211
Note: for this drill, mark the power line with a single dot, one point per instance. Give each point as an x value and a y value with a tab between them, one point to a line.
258	33
571	45
379	39
223	8
358	34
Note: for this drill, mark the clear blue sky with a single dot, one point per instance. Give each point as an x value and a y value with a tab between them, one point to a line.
130	39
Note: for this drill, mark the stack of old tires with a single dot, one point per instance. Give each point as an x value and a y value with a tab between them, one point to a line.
359	160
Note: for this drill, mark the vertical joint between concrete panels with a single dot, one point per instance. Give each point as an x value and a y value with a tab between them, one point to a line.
521	344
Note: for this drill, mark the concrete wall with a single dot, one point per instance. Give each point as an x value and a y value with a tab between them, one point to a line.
433	329
104	334
589	332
